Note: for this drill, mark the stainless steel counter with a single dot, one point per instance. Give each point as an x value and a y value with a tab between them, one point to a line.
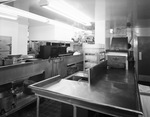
33	67
115	93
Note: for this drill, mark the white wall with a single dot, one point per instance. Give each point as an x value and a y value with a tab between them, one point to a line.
63	33
142	31
100	32
100	21
10	28
22	39
50	33
45	32
18	31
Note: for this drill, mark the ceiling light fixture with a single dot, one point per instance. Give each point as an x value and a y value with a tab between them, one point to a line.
61	24
12	17
4	9
66	10
14	11
6	1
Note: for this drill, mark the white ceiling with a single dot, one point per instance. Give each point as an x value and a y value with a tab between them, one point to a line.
86	6
137	11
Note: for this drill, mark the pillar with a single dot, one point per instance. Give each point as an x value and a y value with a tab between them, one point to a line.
100	21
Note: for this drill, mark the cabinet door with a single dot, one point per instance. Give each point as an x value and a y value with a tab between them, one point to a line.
144	56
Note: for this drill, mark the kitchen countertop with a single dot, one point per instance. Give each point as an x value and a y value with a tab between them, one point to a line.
24	70
115	93
28	61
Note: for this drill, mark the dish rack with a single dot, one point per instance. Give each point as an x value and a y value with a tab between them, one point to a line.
93	55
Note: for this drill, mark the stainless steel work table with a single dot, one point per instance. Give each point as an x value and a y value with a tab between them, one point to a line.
114	93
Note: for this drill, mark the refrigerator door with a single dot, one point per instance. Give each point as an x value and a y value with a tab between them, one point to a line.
144	58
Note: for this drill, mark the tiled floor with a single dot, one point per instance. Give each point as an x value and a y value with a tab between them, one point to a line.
48	108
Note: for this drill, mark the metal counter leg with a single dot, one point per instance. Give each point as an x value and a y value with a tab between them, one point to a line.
74	111
126	63
37	106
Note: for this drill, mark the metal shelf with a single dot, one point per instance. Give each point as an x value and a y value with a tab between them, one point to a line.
22	102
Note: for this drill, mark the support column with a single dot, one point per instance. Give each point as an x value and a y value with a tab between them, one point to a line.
100	21
23	24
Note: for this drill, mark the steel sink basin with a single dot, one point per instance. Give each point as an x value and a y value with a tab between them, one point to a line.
79	76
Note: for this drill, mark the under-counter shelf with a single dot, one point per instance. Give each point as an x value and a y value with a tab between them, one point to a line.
23	101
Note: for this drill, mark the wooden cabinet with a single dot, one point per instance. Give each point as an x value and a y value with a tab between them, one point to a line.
5	46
